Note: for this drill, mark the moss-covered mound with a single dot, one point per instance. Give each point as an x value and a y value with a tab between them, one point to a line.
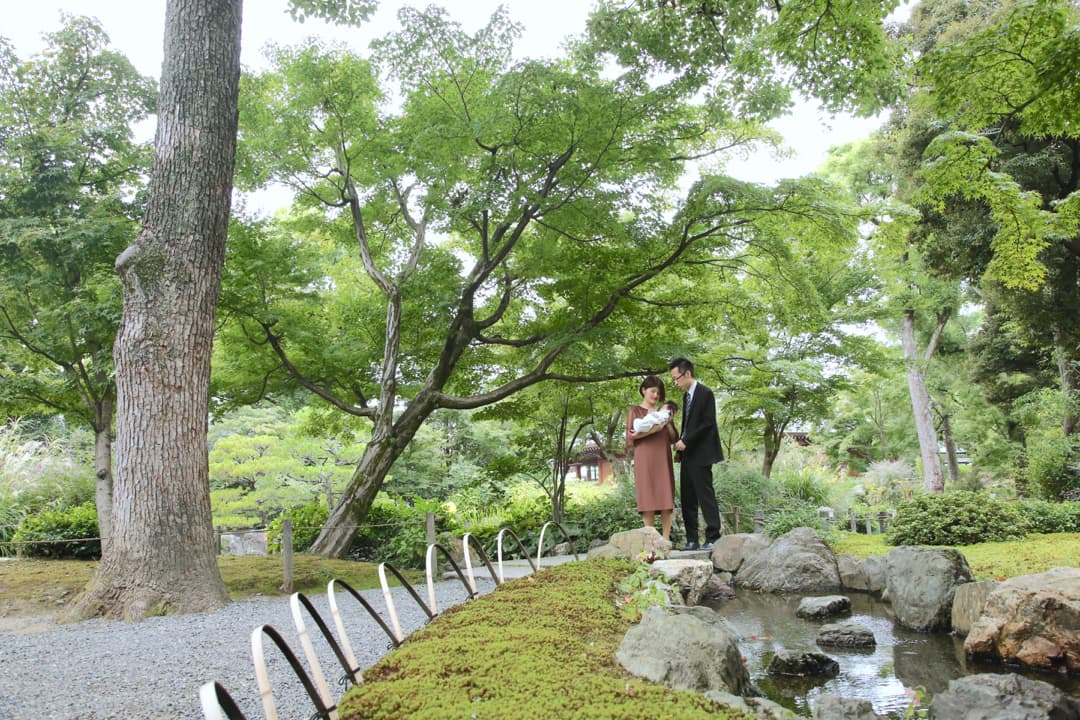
539	647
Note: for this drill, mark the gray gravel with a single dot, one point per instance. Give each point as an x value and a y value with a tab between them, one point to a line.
153	669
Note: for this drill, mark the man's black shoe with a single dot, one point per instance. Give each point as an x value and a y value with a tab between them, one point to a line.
707	546
691	546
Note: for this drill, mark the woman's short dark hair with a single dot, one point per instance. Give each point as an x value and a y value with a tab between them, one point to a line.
652	381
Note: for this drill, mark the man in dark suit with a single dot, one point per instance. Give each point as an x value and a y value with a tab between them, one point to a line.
698	450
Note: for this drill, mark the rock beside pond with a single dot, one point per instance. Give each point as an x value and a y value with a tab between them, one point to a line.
1002	697
803	664
816	608
759	707
867	574
831	707
846	635
685	653
1033	620
691	576
718	587
731	551
968	604
921	583
798	561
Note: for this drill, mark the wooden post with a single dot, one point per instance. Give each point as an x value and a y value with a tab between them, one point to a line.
736	521
759	521
429	528
869	526
286	552
883	520
853	521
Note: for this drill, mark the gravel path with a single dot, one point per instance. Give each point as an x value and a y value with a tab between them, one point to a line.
101	669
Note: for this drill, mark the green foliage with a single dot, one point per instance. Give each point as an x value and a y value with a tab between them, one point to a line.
807	485
638	592
602	517
1051	517
959	518
888	482
748	489
1053	467
796	515
395	531
70	532
307	520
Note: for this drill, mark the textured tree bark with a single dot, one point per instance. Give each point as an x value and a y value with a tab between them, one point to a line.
933	480
161	557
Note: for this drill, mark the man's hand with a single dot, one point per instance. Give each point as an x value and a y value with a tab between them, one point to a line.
680	445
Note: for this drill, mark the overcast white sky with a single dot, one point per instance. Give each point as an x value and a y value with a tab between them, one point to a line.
136	28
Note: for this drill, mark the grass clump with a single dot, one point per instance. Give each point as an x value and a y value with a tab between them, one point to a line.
541	646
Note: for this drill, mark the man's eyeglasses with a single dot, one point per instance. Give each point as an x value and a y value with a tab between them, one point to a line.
676	378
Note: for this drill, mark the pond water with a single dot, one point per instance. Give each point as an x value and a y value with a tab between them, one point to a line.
885	675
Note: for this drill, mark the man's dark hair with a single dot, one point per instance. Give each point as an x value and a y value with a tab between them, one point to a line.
682	365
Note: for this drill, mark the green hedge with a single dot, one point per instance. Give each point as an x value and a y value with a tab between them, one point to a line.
958	518
70	532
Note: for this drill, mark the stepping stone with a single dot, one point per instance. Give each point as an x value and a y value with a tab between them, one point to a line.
815	608
846	635
803	664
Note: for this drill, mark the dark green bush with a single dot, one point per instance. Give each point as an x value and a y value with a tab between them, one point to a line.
70	532
1051	517
1053	468
395	531
781	520
747	489
307	523
959	518
602	518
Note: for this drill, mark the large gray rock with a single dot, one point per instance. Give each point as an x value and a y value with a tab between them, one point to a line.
731	551
690	576
633	543
1002	697
921	582
831	707
798	561
866	574
968	604
803	664
1033	620
846	635
816	608
685	653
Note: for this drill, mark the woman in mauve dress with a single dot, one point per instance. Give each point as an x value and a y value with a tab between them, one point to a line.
654	475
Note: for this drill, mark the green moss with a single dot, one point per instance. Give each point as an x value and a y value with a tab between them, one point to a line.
989	560
537	647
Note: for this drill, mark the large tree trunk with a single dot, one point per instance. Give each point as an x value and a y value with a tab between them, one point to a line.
933	481
161	557
950	450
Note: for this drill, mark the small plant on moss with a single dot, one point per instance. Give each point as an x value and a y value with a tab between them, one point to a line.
794	516
639	592
959	518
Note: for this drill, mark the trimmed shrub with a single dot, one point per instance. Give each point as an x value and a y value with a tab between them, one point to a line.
307	523
959	518
1053	468
70	532
1050	517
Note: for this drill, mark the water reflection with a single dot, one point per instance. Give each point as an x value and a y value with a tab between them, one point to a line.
884	675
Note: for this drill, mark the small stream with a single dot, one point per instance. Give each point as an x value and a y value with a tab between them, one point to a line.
884	675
